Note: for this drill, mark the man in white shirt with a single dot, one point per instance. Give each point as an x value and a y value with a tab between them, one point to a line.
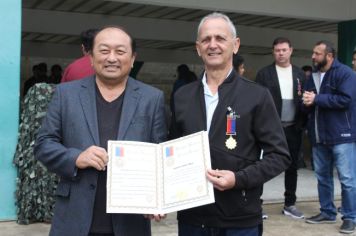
285	83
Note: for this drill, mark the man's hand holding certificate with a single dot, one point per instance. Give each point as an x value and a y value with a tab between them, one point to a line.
158	178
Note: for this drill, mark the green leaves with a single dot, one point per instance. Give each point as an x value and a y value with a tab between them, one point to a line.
35	185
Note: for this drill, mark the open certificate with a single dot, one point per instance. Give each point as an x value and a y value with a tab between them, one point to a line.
158	178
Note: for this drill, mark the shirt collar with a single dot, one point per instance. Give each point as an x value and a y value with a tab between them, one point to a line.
205	84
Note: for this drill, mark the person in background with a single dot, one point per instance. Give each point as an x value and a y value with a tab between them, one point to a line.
184	76
82	116
241	119
239	64
81	67
306	150
39	76
307	70
330	99
56	74
285	83
32	80
42	70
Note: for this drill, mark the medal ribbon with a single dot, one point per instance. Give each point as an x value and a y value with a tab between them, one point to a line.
230	125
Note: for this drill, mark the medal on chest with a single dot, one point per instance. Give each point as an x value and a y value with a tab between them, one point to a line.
299	87
231	142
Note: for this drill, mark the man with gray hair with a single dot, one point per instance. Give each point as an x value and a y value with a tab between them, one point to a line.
241	120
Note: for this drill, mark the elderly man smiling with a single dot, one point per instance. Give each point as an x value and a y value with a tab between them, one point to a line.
241	119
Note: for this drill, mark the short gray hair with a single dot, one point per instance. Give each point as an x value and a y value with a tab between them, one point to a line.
216	15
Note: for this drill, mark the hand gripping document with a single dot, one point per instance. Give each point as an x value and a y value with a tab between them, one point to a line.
160	178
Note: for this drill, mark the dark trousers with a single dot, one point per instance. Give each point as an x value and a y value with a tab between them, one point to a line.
192	230
294	140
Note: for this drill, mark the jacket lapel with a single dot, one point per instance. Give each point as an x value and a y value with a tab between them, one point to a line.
88	102
275	82
131	98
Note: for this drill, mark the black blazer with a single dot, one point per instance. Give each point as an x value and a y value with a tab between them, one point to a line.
268	77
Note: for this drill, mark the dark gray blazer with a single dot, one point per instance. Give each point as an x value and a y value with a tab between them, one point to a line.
70	127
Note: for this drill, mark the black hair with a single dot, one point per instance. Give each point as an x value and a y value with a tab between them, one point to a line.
281	40
133	41
185	74
329	46
87	38
307	68
56	67
237	61
42	67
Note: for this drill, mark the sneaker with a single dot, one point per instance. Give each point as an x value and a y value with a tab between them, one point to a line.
264	216
320	219
293	212
347	227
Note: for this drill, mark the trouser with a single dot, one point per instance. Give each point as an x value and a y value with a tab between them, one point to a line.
192	230
294	140
343	157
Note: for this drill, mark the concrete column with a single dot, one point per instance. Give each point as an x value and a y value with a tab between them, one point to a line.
10	41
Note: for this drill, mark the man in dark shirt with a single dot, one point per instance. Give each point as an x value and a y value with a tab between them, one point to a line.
81	118
241	120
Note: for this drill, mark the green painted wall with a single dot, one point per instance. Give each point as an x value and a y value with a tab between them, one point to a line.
10	41
346	41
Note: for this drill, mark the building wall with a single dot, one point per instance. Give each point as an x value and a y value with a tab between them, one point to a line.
10	40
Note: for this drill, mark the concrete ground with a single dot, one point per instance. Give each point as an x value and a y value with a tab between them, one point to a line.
276	225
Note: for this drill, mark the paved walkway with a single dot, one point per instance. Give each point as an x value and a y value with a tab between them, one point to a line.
276	225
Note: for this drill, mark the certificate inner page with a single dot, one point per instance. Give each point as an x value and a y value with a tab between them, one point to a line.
185	161
132	177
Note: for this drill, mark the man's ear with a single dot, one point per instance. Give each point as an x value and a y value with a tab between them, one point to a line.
133	59
236	45
197	48
83	50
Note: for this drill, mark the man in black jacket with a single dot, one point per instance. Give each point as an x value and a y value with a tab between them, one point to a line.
285	82
241	120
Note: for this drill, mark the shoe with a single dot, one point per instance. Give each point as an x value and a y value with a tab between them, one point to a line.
347	227
320	219
264	216
293	212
